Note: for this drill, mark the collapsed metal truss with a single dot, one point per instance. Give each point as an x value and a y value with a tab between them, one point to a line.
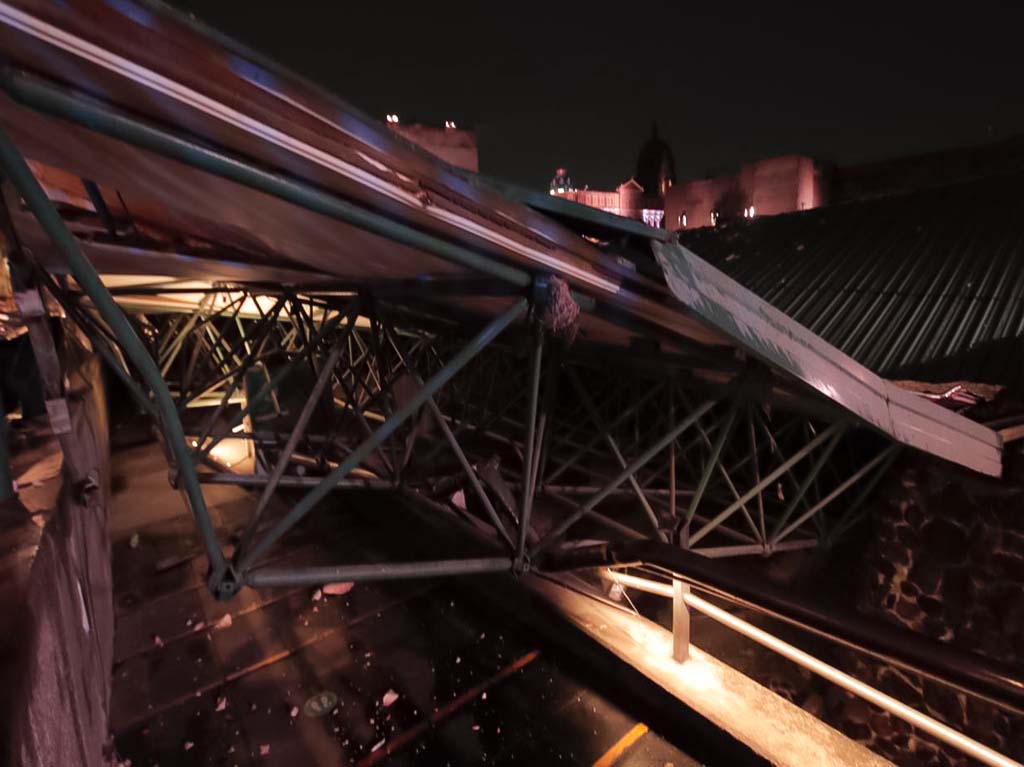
540	443
544	443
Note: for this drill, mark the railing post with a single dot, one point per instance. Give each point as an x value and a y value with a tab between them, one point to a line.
680	622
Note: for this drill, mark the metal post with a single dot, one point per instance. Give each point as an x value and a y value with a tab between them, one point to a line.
680	622
531	425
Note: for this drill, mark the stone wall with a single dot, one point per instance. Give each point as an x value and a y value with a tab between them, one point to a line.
59	698
947	561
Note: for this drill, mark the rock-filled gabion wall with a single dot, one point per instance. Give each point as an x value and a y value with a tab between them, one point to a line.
947	560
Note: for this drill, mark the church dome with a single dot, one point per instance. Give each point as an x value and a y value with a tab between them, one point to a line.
655	166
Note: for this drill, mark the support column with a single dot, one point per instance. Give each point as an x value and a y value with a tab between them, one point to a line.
680	622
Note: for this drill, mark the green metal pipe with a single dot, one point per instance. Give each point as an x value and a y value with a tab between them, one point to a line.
709	468
526	504
622	476
429	389
37	94
801	491
386	571
14	167
767	481
839	490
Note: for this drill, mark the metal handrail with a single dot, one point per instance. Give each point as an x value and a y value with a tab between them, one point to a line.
925	723
975	675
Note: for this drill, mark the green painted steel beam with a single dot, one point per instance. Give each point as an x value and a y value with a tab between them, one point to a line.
99	117
767	481
637	463
13	166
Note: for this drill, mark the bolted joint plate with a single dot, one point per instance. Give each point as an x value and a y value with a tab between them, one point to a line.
224	583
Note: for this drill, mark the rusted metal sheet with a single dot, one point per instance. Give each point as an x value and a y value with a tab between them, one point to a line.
768	333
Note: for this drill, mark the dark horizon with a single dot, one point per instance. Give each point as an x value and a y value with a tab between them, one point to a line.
561	88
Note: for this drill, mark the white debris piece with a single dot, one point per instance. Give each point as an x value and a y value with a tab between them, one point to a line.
224	622
389	697
222	703
134	541
378	745
189	745
265	749
338	589
318	595
157	641
295	711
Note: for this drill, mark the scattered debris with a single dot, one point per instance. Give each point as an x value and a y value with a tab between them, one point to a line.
294	712
224	622
189	745
157	641
476	728
222	703
389	697
378	745
318	595
338	589
458	659
484	696
459	500
320	704
133	542
264	749
199	626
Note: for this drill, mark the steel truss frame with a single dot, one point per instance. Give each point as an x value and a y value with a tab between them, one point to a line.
538	443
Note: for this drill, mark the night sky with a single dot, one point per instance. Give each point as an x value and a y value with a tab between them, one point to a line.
570	84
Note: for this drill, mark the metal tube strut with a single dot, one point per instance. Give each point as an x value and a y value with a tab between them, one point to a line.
439	379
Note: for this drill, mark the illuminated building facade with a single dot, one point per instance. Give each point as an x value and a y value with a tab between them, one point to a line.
641	197
456	146
763	188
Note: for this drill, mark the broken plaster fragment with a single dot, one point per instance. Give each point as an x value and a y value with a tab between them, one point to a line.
389	698
338	589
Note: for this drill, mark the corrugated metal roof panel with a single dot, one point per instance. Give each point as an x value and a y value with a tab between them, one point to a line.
928	286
